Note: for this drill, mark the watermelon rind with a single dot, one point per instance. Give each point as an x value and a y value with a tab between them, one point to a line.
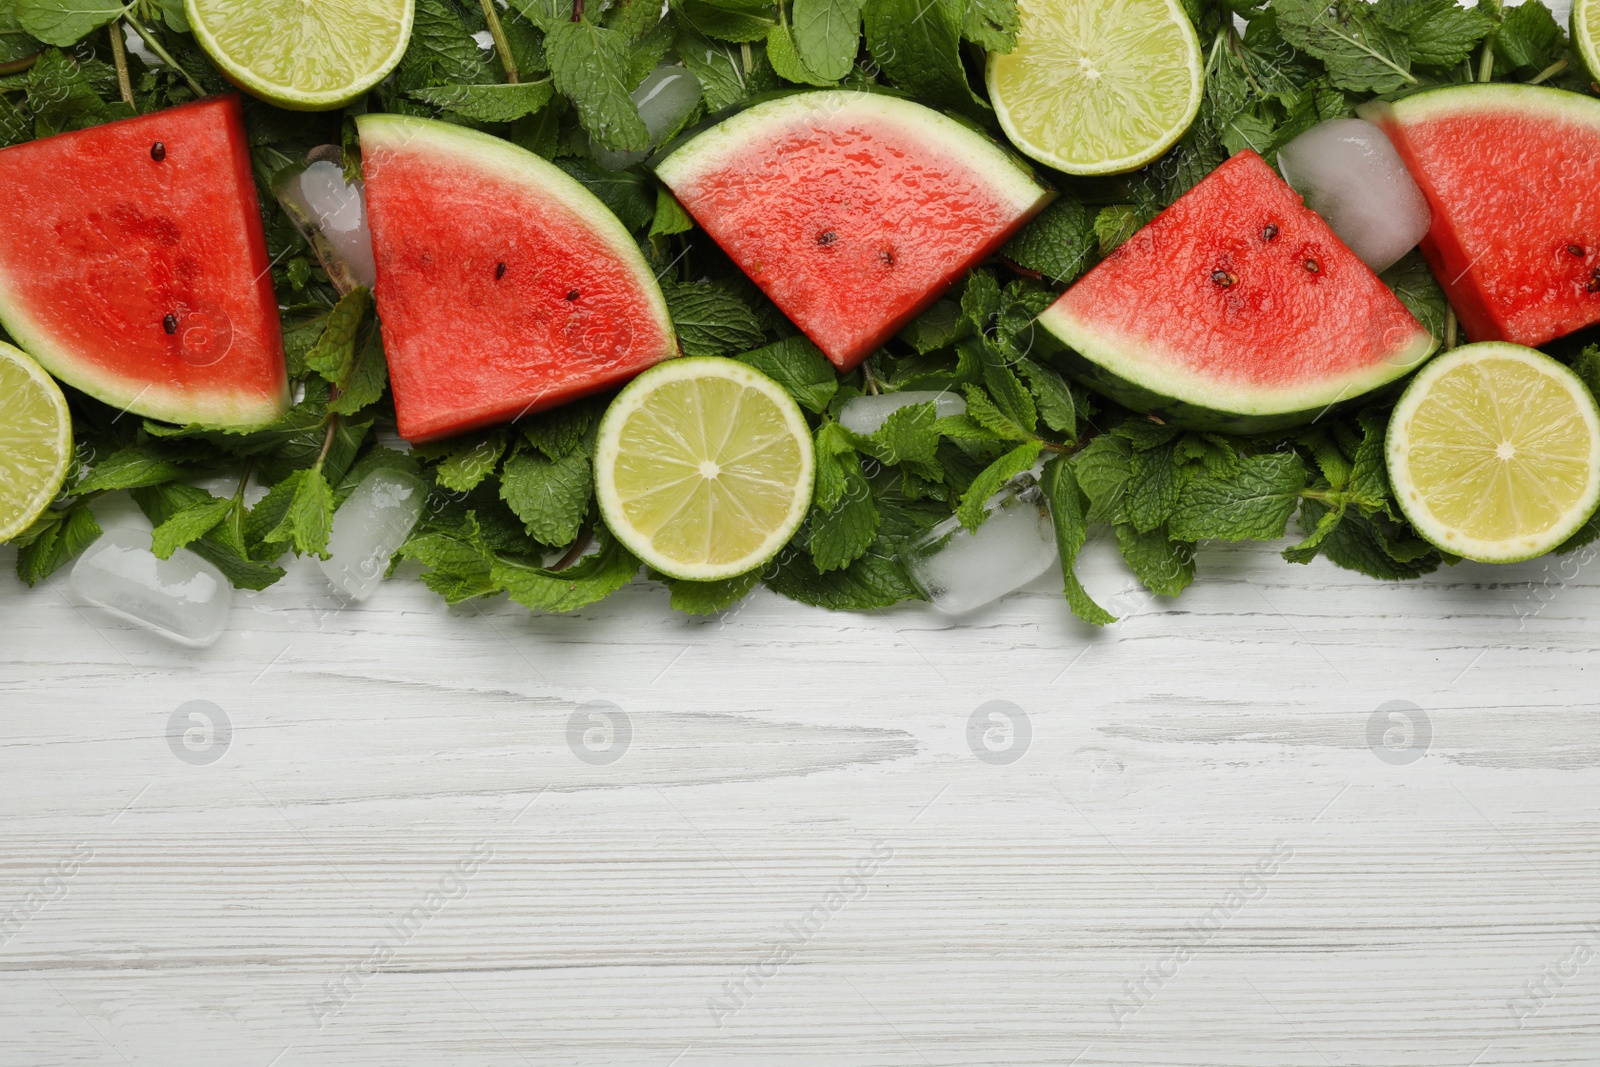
1122	369
502	159
730	138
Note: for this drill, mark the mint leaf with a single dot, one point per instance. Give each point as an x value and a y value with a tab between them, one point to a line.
917	43
441	52
836	457
487	103
1439	33
1369	472
1154	482
129	468
188	525
800	367
725	78
1115	224
15	43
333	355
1356	543
1360	53
1057	243
940	326
629	194
984	412
991	24
840	534
710	320
1102	472
980	299
1329	459
670	216
61	97
592	578
827	35
786	61
729	20
971	511
909	435
711	598
559	431
1008	392
1254	502
1068	515
458	561
367	377
1529	37
308	519
589	66
876	580
64	22
1306	550
223	546
55	539
1052	396
1162	565
550	496
470	461
1417	289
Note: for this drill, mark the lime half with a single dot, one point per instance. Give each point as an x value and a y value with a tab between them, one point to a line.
308	55
1098	86
1585	26
35	441
1494	452
703	468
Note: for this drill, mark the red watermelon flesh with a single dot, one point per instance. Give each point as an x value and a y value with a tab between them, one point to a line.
853	211
504	287
1238	300
133	266
1512	173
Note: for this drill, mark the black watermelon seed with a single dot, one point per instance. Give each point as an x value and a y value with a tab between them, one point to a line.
1224	279
499	271
1594	281
1313	266
1269	233
170	323
573	295
1576	250
826	238
158	151
887	256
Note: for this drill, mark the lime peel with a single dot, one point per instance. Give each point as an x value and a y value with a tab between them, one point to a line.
704	468
1494	452
35	441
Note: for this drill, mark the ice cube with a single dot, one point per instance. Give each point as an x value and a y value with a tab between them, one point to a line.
332	216
137	47
959	571
369	526
667	96
1349	173
864	414
184	599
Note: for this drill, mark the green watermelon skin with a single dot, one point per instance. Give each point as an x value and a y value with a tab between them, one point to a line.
1236	309
144	281
503	285
1512	176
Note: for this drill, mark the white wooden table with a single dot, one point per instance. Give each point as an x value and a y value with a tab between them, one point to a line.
1206	837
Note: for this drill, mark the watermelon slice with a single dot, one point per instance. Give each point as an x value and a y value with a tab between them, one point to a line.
503	285
1236	309
852	210
133	266
1512	173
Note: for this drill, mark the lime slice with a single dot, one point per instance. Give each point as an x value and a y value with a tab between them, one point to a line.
307	55
703	468
1586	33
35	441
1494	452
1097	86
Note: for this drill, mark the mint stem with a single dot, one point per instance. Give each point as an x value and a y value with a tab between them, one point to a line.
501	45
238	498
1551	71
165	57
119	54
577	10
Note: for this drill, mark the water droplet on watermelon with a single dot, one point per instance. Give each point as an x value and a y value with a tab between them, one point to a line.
665	99
184	599
865	414
338	211
960	571
372	523
1349	173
